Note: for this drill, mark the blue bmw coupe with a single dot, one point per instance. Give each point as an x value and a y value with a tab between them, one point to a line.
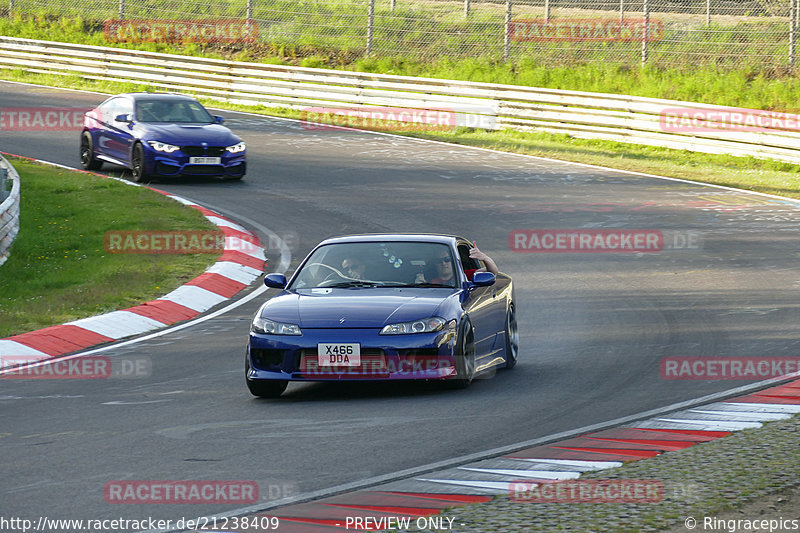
160	135
383	307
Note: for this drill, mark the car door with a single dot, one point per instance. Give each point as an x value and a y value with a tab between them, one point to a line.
480	306
115	138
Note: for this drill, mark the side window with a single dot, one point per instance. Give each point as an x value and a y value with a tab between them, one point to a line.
467	262
124	107
108	110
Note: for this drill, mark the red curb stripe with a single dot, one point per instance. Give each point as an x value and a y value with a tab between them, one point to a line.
711	435
755	399
243	259
623	452
386	499
664	445
406	511
599	444
206	212
61	339
653	434
218	284
545	453
164	311
460	498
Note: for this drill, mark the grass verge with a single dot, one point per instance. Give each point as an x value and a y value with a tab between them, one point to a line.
59	269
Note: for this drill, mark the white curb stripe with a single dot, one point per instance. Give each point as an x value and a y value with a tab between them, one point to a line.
769	407
235	271
712	425
15	348
501	487
536	474
118	324
194	297
744	416
217	221
579	465
249	248
184	201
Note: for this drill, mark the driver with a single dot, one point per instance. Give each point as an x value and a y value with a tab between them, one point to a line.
354	267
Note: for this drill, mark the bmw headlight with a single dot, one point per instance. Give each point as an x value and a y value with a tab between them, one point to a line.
158	146
265	325
426	325
236	148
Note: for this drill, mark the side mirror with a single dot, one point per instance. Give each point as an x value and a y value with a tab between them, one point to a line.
123	118
483	279
218	119
275	281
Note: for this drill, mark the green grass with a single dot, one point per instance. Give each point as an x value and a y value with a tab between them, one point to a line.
59	270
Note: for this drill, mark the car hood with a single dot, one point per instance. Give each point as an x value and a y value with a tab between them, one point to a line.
189	134
354	308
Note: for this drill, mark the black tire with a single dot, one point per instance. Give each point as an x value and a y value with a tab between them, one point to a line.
465	359
512	337
88	161
137	164
263	388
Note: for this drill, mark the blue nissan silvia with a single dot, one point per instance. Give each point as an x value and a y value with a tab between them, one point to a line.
383	307
158	134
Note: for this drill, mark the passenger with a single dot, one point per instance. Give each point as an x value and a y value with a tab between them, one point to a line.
444	266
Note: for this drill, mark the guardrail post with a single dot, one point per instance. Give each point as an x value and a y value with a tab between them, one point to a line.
370	25
507	32
645	32
792	31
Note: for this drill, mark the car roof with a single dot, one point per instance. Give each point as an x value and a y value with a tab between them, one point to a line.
157	96
394	237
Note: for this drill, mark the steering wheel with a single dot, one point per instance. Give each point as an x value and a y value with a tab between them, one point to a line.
334	277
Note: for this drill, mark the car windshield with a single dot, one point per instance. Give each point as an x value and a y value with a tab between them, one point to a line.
378	264
172	111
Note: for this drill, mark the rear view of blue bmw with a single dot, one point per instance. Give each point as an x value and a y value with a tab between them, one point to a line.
160	135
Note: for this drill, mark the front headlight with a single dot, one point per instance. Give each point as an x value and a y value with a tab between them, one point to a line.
426	325
236	148
158	146
265	325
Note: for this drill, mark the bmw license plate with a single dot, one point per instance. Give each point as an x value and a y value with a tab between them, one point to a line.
339	354
205	160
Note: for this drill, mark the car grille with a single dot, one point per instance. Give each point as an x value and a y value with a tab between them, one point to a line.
197	151
373	365
203	170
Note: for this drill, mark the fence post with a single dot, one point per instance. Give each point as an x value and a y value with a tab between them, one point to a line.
792	30
621	12
249	12
466	9
507	32
645	31
546	11
392	5
3	191
121	9
10	7
708	12
370	25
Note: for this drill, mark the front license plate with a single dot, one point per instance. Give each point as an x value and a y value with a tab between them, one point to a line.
338	354
205	160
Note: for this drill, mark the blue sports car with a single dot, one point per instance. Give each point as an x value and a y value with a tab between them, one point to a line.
383	307
157	134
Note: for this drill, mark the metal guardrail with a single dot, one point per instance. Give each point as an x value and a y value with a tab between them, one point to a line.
9	209
632	119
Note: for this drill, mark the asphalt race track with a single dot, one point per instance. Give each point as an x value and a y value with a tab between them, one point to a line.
594	326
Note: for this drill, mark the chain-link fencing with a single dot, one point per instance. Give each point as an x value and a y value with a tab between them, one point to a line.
729	33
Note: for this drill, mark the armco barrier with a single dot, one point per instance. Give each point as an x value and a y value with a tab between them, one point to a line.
640	120
9	209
